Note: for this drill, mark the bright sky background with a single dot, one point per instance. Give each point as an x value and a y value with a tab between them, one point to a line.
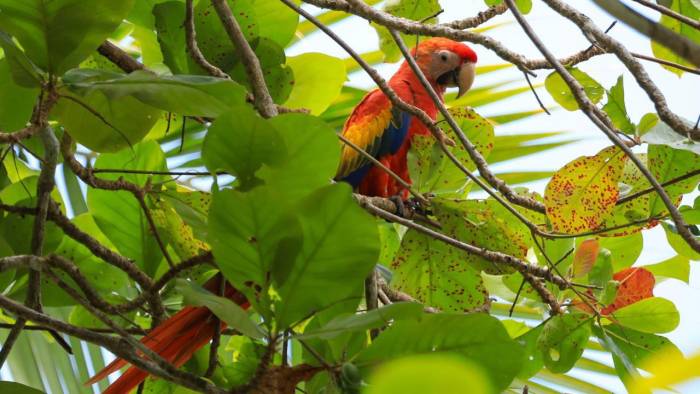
563	38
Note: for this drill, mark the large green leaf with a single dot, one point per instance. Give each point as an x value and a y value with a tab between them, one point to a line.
637	345
341	246
676	267
447	375
241	142
105	124
478	337
191	95
249	231
58	35
312	155
650	315
561	93
689	8
437	274
170	31
666	163
318	79
118	214
16	102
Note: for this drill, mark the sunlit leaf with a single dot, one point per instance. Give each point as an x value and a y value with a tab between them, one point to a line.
57	35
582	193
585	257
561	93
318	79
616	108
689	8
562	341
651	315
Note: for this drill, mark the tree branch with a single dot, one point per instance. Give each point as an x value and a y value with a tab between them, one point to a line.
193	48
597	116
251	63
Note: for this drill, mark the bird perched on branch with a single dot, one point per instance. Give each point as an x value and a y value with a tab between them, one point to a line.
377	127
385	132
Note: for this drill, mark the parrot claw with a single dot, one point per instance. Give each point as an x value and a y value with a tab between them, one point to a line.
401	208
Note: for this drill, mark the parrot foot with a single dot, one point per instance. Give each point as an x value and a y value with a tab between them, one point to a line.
401	208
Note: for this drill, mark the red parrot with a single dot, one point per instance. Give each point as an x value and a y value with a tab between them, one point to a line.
375	126
385	131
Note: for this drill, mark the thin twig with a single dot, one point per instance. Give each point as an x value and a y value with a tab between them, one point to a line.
193	48
537	97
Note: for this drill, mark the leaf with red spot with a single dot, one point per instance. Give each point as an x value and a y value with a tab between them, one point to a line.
585	257
582	194
636	284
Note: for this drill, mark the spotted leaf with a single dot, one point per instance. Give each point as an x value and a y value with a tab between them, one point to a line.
582	194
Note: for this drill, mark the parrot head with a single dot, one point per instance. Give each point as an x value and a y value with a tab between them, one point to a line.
446	63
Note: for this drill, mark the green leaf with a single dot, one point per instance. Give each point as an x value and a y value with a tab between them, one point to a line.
678	243
561	93
110	124
478	337
650	315
581	195
690	9
118	214
276	21
225	309
533	357
58	35
240	142
447	375
677	267
416	10
371	319
16	102
562	341
192	95
211	36
340	248
170	31
318	79
104	277
666	163
616	109
638	345
647	121
312	155
437	274
17	388
248	232
24	72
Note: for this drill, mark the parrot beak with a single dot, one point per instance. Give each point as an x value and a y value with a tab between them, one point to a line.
464	77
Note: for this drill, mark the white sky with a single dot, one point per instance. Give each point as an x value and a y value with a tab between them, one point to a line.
563	38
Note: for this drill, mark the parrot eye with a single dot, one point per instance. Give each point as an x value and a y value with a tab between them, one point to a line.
443	56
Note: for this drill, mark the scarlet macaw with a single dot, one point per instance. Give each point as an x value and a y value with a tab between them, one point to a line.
385	132
376	126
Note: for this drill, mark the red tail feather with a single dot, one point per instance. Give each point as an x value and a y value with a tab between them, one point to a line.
176	340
